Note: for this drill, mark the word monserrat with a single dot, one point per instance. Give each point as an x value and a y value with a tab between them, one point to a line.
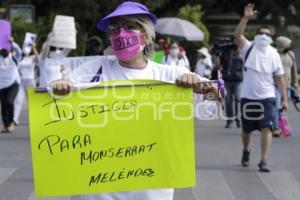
120	152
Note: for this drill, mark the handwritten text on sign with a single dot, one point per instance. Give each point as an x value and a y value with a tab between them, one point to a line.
131	138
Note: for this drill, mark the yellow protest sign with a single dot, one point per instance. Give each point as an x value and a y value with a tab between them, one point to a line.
112	138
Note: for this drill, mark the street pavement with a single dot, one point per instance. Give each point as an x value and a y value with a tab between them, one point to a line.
219	174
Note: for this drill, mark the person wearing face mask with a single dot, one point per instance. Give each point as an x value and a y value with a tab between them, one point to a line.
131	32
262	69
9	80
50	63
204	63
284	47
174	57
26	68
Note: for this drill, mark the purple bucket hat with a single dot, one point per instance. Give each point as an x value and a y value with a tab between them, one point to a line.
125	9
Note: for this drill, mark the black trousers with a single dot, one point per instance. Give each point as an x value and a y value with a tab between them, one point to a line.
7	97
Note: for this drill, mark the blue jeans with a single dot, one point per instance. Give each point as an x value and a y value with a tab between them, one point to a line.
233	97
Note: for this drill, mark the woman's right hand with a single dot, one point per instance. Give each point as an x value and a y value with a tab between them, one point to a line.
249	10
61	87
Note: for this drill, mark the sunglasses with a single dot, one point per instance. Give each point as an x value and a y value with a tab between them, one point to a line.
115	27
55	48
263	33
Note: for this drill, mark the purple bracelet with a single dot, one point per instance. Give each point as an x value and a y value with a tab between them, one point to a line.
221	87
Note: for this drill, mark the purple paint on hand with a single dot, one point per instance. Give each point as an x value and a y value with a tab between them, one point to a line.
5	34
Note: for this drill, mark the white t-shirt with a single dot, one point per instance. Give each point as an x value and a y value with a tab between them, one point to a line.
50	70
174	61
258	82
108	68
26	67
8	72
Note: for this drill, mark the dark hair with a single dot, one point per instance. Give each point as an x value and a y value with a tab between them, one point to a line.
4	53
94	46
263	27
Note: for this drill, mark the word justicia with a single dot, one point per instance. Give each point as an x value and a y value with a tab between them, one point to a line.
125	42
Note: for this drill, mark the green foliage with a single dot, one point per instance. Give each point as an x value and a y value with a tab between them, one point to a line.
42	28
194	15
20	27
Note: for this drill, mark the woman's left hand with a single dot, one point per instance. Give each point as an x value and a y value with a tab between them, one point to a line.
209	90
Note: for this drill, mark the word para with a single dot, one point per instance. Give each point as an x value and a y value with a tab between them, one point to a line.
55	143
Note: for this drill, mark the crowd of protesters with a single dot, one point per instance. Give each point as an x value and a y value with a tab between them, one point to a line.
254	73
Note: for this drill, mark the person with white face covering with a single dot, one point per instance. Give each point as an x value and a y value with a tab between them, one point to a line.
26	68
262	68
50	63
174	57
131	32
204	63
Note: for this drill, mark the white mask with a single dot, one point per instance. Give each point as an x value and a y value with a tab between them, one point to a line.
56	54
262	40
174	52
26	50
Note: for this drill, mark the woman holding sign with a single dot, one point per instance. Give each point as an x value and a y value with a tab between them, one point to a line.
131	32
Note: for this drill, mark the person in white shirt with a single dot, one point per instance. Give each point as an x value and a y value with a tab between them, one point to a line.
262	69
9	84
131	32
174	57
26	68
204	64
50	63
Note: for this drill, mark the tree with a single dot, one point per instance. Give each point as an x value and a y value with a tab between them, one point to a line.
194	15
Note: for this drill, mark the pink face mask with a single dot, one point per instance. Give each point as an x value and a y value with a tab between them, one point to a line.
126	44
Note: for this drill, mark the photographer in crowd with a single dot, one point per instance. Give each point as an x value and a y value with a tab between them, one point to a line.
232	72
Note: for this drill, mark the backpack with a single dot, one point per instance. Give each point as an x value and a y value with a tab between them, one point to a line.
232	66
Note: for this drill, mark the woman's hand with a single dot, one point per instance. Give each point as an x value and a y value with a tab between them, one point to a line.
61	87
209	90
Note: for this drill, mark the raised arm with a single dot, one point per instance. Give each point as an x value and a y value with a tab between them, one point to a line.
35	51
239	38
16	50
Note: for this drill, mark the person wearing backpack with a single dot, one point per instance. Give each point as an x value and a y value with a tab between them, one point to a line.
262	69
232	73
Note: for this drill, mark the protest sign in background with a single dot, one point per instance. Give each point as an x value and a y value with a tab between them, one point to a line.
29	39
63	33
110	138
5	33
